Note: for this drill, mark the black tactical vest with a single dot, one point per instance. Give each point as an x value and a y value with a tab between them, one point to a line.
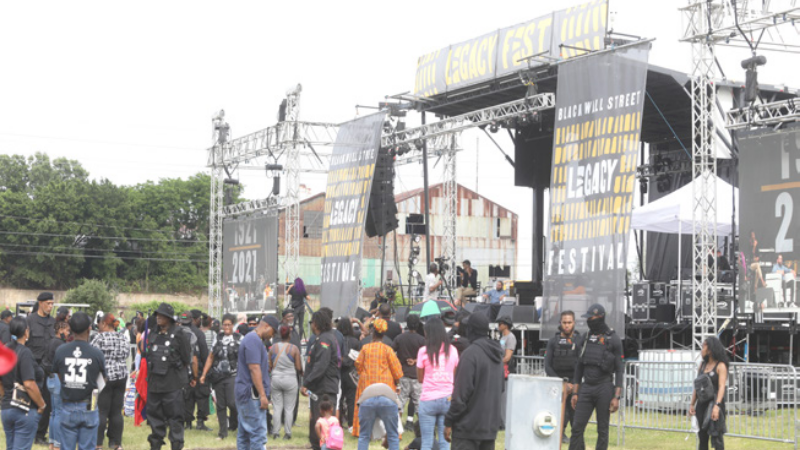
226	357
163	353
565	357
597	352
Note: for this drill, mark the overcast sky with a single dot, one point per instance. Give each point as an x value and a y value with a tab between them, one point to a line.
129	89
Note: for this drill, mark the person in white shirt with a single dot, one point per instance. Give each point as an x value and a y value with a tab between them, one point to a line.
432	282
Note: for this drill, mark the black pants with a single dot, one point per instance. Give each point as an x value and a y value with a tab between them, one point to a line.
226	400
196	395
347	404
44	421
569	414
165	409
702	435
312	429
299	314
590	398
469	444
110	404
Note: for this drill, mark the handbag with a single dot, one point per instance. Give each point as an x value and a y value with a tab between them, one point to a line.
704	388
20	398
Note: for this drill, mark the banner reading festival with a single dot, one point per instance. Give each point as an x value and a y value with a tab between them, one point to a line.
346	200
769	183
250	264
599	103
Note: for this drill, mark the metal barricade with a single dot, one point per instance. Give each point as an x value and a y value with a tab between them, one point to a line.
530	365
760	400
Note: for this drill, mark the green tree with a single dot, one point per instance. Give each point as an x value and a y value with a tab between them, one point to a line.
94	293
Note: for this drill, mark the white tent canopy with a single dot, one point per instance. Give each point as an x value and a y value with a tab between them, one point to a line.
673	213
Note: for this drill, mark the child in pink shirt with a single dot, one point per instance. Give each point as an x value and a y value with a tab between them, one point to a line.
325	421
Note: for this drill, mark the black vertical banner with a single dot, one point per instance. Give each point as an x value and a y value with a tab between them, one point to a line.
346	200
770	195
599	103
249	262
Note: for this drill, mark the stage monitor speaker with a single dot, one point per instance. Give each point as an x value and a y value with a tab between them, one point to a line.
401	313
482	308
506	311
527	291
665	313
361	314
524	314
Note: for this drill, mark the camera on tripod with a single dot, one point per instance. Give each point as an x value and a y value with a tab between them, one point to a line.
442	262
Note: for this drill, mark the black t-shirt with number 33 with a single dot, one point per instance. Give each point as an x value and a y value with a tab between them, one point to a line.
78	366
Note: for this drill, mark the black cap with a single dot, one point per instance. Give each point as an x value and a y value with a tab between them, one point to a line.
506	320
79	322
6	314
595	310
286	312
479	322
196	314
44	296
166	310
272	321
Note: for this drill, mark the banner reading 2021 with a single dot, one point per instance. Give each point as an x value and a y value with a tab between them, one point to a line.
346	200
599	103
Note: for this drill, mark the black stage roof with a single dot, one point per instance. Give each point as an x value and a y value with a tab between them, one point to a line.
669	90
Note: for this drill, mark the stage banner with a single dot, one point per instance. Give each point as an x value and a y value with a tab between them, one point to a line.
346	201
769	192
504	52
249	263
599	103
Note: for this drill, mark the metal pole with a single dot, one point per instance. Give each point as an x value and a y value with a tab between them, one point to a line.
425	201
383	259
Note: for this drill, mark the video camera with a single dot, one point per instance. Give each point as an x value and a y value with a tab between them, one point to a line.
443	265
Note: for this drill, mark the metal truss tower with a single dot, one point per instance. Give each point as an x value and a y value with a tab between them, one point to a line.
450	210
291	136
221	130
708	23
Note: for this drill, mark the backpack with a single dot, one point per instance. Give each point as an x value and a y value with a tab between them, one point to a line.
335	437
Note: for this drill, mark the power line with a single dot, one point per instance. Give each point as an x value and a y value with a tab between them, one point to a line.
2	244
70	255
20	233
86	224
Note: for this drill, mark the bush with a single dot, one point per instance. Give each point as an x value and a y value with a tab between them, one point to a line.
95	293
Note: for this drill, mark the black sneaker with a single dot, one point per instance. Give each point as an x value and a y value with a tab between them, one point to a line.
41	441
287	437
201	426
565	439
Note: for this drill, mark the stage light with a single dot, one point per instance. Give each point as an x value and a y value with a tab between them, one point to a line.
493	127
643	185
415	274
414	250
415	238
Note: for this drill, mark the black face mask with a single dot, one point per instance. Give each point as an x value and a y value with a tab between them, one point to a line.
597	325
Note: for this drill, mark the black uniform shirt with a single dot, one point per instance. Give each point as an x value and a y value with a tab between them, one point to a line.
549	356
78	366
42	330
175	378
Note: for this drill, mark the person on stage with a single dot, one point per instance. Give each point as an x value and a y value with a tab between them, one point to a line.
467	282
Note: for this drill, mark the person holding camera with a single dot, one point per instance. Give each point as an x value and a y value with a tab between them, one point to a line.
22	403
432	282
220	370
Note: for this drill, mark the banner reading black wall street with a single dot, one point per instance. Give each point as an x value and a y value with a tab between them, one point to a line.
249	262
599	104
769	181
346	200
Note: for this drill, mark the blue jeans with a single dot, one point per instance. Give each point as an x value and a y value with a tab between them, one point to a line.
54	386
20	427
431	415
78	427
378	408
252	433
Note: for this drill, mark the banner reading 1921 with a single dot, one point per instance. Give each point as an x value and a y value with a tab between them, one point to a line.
249	262
346	200
599	103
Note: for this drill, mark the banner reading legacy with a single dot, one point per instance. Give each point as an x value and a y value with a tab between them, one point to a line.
346	200
599	103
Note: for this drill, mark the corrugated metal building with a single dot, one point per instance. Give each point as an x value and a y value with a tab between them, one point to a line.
486	234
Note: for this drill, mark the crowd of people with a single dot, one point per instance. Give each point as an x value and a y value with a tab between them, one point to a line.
359	376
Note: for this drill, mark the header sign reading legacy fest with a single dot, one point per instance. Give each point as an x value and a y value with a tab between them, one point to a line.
346	200
502	52
599	104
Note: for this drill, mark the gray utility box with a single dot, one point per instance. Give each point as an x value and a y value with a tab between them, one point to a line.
533	413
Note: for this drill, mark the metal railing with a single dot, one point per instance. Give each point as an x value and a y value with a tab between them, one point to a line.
761	399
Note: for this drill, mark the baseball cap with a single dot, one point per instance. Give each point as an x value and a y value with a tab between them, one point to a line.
506	320
186	318
595	310
272	321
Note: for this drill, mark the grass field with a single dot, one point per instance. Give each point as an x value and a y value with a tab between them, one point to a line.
135	438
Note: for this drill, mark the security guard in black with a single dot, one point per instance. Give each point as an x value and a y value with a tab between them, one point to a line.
599	374
168	361
561	358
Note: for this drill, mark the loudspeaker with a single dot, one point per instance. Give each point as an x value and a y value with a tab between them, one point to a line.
665	313
478	308
401	313
527	291
361	313
506	310
523	314
382	210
